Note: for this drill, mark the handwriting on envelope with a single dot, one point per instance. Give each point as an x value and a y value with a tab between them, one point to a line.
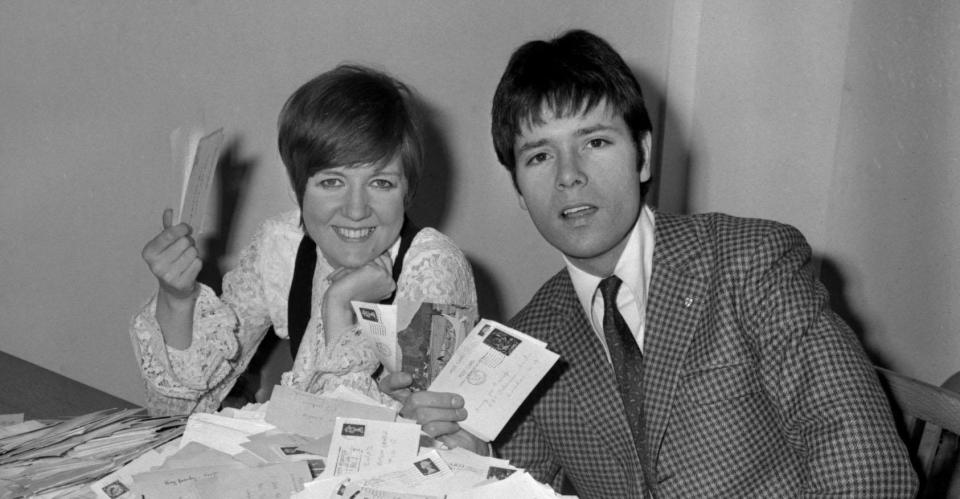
313	415
494	370
360	444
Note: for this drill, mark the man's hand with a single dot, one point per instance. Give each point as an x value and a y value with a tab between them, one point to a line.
437	413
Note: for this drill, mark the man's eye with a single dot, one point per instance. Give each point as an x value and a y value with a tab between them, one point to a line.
538	158
595	143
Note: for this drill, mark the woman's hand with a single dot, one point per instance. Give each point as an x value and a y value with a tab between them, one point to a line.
173	259
371	282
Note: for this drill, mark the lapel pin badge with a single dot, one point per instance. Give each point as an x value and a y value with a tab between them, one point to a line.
688	301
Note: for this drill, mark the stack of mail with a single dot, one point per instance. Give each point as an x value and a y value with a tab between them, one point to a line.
352	447
299	444
60	458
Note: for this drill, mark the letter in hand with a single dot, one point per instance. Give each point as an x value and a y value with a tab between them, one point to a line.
173	258
436	413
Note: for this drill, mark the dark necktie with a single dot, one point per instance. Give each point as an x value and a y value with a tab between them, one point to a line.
626	358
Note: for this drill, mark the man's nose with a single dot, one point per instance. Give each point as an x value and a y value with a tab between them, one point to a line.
570	171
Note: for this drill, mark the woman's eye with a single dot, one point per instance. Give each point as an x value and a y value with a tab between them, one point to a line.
381	183
328	183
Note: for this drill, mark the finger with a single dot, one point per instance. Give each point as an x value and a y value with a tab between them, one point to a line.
169	237
167	218
396	382
183	263
186	283
161	258
427	415
176	274
193	271
465	440
440	400
440	429
338	274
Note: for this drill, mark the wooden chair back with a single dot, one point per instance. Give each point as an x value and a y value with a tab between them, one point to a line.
928	418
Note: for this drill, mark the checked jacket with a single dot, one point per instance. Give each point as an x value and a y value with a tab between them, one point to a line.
752	386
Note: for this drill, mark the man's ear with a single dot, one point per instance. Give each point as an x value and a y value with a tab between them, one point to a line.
645	144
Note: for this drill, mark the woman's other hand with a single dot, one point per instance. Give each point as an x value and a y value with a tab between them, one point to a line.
173	259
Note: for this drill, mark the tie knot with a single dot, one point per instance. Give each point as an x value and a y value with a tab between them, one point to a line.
608	289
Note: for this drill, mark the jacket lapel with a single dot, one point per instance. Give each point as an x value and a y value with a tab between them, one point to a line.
675	301
593	390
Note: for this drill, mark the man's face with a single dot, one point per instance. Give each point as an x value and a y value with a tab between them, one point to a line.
578	178
355	213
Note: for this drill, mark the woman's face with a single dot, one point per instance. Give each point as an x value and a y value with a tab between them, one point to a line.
354	213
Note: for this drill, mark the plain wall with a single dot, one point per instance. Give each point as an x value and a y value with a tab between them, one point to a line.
836	117
91	90
839	118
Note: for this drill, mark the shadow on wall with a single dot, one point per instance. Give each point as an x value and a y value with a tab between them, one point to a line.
669	188
431	206
833	279
231	185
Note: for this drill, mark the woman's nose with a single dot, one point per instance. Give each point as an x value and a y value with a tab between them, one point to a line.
358	205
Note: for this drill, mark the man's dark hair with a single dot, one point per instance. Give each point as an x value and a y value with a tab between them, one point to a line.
350	115
568	75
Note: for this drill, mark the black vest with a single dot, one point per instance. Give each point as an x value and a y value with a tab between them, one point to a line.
301	289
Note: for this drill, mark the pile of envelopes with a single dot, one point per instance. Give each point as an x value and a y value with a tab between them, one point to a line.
61	458
303	445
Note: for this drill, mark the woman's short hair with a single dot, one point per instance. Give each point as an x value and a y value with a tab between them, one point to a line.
350	115
569	74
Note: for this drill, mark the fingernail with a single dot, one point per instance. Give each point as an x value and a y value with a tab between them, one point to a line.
456	401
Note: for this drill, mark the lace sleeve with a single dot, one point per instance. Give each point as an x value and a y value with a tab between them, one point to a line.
226	333
179	379
435	270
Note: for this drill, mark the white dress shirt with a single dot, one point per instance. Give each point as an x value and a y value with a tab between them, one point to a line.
633	268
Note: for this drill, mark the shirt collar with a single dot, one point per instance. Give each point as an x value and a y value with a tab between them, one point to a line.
633	267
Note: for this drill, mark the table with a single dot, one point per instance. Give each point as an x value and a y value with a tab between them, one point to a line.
40	393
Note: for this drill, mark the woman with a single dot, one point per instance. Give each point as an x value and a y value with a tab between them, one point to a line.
353	154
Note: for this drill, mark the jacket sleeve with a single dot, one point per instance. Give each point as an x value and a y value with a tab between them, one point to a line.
830	404
522	443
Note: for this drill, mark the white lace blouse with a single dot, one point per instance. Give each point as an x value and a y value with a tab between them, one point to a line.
228	329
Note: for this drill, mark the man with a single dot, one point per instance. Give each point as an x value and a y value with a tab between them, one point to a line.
732	377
